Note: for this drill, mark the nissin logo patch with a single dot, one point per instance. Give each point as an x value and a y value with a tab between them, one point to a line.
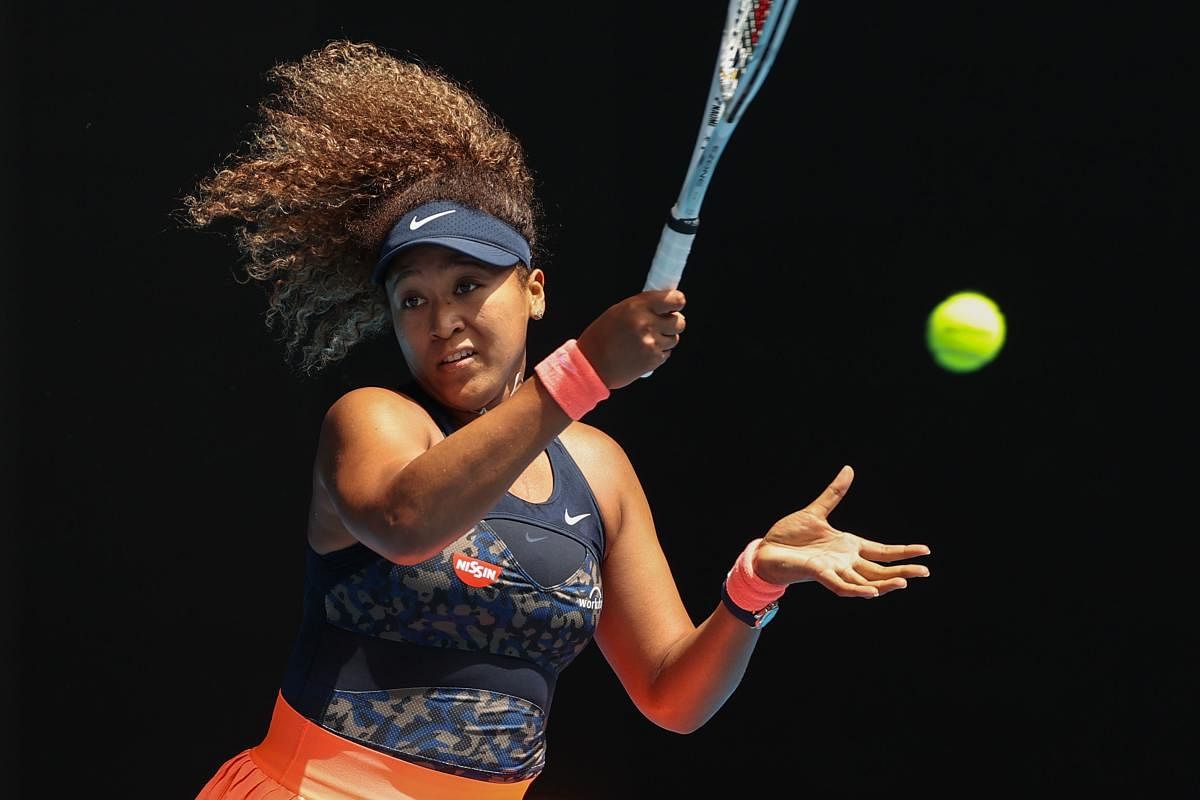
473	572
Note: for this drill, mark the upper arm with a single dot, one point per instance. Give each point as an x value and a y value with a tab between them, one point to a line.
643	614
367	437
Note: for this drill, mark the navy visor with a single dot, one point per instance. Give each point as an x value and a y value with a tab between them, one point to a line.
459	227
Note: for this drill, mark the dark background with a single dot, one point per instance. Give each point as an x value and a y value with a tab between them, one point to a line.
159	447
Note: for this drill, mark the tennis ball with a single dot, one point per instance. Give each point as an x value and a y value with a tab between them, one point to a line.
965	331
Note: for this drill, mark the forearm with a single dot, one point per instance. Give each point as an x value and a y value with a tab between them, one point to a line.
443	492
701	671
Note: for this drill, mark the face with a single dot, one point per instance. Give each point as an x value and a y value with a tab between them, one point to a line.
446	304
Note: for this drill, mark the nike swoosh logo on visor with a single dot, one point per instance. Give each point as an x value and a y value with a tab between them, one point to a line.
572	520
415	223
529	538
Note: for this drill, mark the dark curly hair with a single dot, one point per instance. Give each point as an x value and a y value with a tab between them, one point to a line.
352	139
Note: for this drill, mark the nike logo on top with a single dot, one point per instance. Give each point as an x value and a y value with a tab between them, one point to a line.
415	223
572	520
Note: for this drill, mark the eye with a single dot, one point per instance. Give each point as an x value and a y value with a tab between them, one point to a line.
462	286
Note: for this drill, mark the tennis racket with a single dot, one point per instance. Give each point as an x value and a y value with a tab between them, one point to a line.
753	32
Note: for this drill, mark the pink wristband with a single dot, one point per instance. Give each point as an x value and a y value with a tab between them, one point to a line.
747	590
571	380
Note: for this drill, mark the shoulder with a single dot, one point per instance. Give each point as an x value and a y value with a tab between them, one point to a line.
588	443
372	400
367	436
614	482
375	413
601	458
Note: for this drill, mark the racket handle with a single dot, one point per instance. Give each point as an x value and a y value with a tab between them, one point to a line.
669	259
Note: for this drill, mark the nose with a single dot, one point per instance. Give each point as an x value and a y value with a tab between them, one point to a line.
447	320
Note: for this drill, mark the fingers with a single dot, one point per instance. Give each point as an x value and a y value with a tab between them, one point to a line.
634	336
856	586
851	583
890	585
664	302
668	335
875	572
670	322
890	552
833	494
889	579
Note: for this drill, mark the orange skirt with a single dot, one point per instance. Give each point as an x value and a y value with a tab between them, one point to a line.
299	760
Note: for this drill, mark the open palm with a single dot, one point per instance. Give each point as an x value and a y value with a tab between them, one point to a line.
803	546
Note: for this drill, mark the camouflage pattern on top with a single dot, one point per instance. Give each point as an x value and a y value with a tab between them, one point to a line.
466	731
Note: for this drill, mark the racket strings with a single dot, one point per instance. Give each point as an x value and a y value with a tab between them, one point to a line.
742	39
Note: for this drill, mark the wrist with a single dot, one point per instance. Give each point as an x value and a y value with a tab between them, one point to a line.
754	619
748	596
571	380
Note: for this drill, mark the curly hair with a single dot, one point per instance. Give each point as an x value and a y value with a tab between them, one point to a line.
352	139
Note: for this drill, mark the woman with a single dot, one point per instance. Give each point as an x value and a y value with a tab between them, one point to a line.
468	535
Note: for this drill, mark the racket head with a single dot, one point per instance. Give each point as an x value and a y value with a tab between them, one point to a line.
750	40
749	44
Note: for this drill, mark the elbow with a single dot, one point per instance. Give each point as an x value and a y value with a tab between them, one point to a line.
677	720
680	725
400	537
685	724
396	534
396	524
392	533
407	544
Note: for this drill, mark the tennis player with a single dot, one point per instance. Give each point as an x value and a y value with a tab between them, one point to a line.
468	534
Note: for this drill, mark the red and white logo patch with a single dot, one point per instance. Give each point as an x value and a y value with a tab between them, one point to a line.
473	572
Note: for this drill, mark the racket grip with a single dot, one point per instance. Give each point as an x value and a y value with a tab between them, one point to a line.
669	259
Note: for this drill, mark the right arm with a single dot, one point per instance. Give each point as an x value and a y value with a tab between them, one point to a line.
406	497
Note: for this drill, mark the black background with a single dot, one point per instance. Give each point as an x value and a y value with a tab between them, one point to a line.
160	448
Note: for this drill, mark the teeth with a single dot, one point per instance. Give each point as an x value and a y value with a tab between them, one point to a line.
460	355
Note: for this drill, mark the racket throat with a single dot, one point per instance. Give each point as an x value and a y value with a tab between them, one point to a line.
686	226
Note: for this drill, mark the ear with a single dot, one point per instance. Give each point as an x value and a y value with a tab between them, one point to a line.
536	286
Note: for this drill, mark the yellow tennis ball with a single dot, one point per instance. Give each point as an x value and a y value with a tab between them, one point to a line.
965	331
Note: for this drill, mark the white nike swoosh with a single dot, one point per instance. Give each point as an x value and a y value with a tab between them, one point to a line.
572	520
416	223
529	538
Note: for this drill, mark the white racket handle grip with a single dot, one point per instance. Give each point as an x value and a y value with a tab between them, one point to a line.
669	259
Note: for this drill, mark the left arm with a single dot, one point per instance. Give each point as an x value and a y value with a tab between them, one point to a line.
679	674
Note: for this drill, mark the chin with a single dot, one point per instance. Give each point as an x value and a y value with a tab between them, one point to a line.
475	393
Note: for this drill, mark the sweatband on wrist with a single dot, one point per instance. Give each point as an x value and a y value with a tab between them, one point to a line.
747	590
570	379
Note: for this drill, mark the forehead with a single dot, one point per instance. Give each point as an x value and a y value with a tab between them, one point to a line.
428	260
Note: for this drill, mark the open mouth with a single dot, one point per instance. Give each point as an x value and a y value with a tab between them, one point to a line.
457	357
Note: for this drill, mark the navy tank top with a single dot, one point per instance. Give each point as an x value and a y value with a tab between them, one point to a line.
451	663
